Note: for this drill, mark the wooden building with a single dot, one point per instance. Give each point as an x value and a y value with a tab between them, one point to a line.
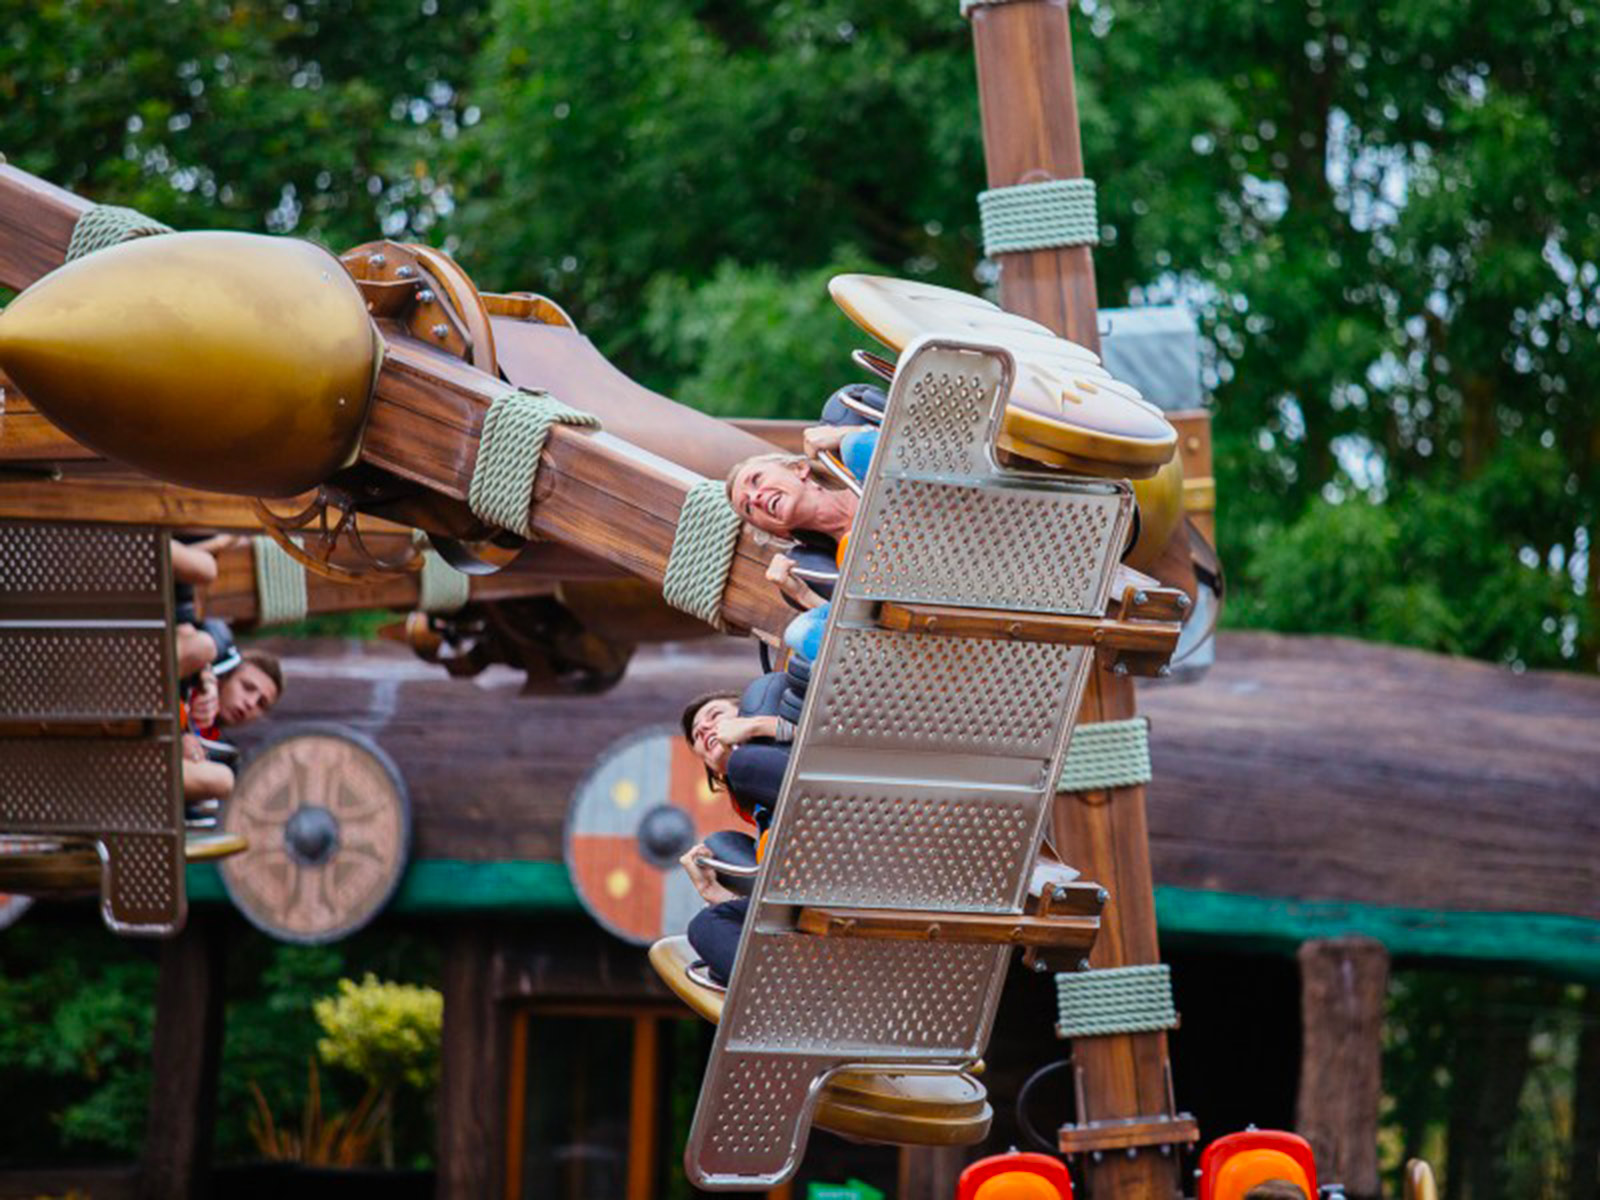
1345	802
1320	799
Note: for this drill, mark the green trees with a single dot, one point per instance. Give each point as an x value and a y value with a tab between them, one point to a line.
1383	212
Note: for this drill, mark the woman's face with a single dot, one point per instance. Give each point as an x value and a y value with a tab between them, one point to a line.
707	746
775	497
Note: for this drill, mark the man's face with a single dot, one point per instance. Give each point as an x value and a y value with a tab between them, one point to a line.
707	746
773	496
247	692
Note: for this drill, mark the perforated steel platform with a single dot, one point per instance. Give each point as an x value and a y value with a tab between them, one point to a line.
89	711
924	771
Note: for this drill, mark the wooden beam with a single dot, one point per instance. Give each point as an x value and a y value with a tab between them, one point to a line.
472	1078
930	1172
897	925
1122	1136
36	223
27	436
186	1052
1343	986
594	492
1030	132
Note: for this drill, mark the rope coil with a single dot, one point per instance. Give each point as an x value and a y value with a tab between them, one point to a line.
515	430
1115	1000
280	584
108	225
1108	754
1038	216
702	553
442	588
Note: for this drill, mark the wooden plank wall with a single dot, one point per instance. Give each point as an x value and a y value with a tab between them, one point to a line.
1318	768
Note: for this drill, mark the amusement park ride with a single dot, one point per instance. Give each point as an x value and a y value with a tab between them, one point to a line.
1021	552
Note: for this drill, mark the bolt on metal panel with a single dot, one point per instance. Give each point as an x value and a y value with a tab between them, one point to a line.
924	771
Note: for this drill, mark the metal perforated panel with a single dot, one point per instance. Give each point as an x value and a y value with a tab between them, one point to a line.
47	563
948	694
66	674
87	672
863	997
987	547
844	846
923	773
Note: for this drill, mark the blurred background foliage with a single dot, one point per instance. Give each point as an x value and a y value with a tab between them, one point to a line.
1383	213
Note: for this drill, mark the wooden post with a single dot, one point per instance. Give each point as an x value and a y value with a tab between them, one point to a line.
185	1054
1030	134
472	1079
930	1172
1343	983
1583	1178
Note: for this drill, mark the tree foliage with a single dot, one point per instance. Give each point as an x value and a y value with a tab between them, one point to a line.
1384	214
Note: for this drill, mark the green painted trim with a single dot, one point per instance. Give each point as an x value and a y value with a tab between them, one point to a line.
1560	945
448	886
1545	942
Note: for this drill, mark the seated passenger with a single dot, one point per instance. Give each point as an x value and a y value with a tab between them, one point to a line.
193	566
744	747
251	683
788	496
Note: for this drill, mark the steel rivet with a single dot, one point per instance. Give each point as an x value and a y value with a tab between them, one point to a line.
1083	964
1141	598
1102	895
377	260
1120	669
425	295
439	331
1163	670
1184	602
405	272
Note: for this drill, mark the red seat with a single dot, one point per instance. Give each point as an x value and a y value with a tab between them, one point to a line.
1015	1176
1234	1164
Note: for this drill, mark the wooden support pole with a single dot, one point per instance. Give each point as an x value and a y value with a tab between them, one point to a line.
472	1079
1583	1177
1343	985
930	1172
185	1055
1030	134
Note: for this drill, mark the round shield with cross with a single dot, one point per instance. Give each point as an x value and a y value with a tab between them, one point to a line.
644	803
328	820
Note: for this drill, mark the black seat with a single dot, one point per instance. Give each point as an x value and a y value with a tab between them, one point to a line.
735	850
845	405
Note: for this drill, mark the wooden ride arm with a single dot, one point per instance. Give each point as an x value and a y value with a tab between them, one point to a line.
36	223
594	492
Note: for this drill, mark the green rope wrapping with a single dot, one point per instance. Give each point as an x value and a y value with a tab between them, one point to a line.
107	225
1108	754
443	588
1038	216
702	552
514	432
280	584
1115	1000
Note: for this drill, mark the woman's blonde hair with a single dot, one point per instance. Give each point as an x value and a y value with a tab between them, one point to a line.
780	458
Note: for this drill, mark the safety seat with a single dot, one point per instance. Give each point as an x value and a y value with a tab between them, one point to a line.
1232	1165
868	1106
1015	1176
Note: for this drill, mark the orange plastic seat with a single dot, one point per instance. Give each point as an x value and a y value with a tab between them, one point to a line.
1234	1164
1015	1176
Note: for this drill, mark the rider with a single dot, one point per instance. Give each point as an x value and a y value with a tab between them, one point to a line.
744	747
